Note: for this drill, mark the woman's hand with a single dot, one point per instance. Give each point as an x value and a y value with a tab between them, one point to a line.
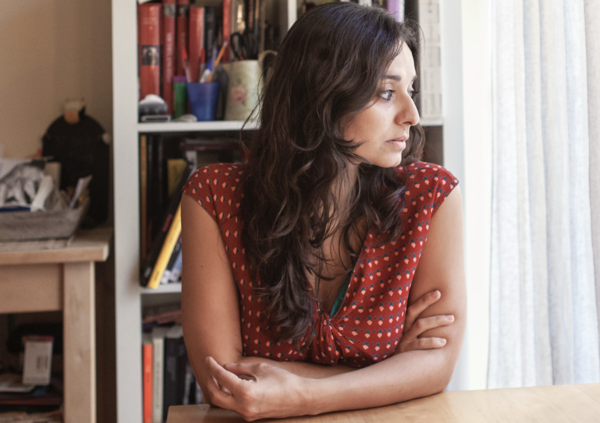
256	391
414	327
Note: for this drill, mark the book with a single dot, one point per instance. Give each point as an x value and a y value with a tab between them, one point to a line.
169	12
143	194
175	169
196	42
166	250
151	215
431	60
158	350
147	376
157	245
210	31
226	28
183	13
238	16
167	274
396	8
149	17
176	270
175	369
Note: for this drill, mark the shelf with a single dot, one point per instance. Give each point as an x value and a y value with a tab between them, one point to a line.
432	121
220	125
162	289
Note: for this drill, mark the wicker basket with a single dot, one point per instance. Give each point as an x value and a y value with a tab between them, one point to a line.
39	226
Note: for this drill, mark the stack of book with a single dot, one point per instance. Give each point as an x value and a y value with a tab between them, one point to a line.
166	163
172	30
168	378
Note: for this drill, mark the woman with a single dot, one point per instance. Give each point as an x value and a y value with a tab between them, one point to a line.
343	288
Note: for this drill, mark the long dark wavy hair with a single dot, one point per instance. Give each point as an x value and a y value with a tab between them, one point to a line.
330	66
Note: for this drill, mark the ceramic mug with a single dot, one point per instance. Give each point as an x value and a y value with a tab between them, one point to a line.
245	84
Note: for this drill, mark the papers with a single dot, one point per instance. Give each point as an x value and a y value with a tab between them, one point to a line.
11	382
19	182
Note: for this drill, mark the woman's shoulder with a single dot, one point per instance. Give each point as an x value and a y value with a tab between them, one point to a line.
427	185
217	188
426	171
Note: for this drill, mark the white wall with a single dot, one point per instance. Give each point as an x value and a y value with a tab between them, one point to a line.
51	50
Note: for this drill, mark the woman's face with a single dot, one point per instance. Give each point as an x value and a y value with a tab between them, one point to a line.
383	126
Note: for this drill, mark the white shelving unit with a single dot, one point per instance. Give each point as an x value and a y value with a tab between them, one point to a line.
128	293
129	296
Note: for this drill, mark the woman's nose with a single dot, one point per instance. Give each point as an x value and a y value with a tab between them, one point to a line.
407	112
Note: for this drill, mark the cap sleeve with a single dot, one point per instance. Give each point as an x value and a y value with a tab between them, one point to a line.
430	183
199	188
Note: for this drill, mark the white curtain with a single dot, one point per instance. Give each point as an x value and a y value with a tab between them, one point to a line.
545	258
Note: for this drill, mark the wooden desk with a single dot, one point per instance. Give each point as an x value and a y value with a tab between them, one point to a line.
564	403
62	279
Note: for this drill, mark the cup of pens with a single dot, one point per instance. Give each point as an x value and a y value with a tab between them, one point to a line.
203	98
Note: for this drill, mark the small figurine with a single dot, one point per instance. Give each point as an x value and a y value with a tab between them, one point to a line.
80	144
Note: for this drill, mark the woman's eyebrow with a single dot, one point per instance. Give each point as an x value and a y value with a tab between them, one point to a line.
398	78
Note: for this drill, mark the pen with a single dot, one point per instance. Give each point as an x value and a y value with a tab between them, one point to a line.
186	65
217	61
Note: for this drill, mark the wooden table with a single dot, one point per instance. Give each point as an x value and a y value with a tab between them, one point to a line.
62	279
563	403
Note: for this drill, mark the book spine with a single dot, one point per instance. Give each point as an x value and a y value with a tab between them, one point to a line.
166	250
170	376
156	251
176	271
169	57
148	392
168	273
196	41
226	28
143	199
430	79
182	363
238	16
149	16
183	13
210	30
158	345
396	9
150	197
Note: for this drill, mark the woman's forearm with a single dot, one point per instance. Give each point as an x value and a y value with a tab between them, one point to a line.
303	369
400	378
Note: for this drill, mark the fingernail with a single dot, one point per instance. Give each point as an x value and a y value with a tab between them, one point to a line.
442	341
450	317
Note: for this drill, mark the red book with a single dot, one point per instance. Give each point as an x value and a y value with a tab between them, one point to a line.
169	56
183	13
226	27
196	41
147	378
149	16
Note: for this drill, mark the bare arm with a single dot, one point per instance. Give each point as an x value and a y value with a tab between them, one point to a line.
210	303
404	376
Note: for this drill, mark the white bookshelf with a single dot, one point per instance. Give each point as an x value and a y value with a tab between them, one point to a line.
129	296
220	125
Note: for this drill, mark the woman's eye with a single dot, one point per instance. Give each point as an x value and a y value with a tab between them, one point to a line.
412	93
387	94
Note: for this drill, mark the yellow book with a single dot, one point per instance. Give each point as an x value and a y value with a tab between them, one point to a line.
175	168
166	250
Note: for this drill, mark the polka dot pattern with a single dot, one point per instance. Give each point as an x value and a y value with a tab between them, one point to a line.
369	324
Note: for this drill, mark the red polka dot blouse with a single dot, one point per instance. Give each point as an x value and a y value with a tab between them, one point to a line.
369	324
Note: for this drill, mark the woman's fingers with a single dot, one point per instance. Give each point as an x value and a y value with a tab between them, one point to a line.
416	308
423	344
427	323
225	380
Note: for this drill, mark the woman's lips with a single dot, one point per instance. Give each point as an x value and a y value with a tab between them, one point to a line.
399	143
